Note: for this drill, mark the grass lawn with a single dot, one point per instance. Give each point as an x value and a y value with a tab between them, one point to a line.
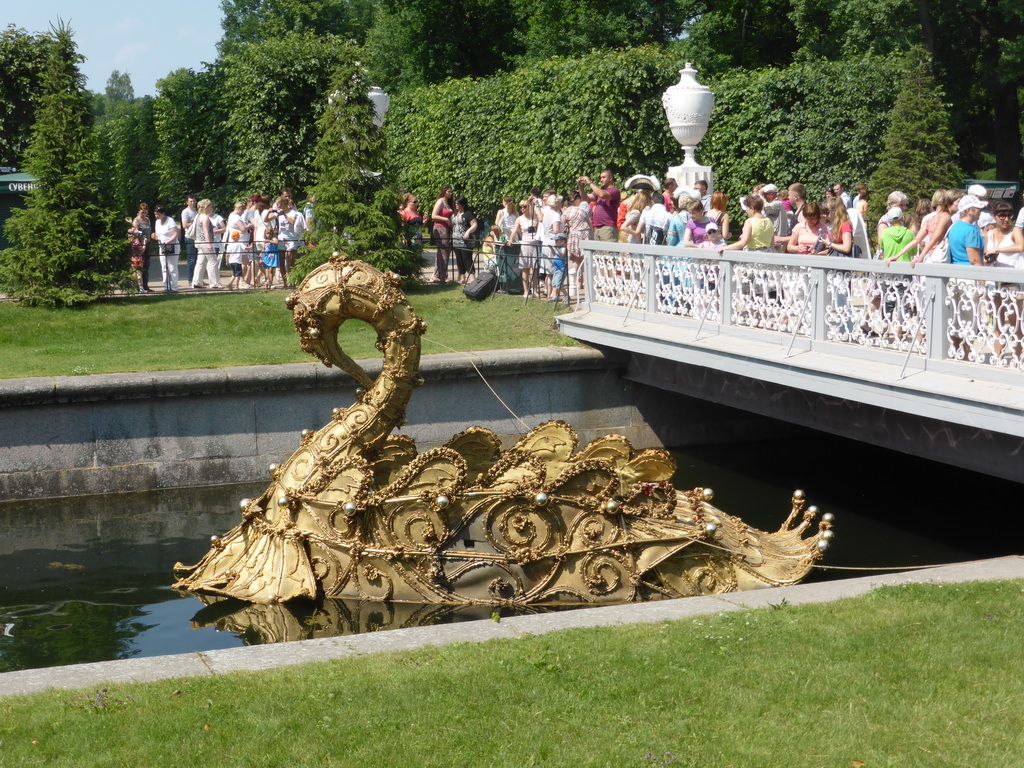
253	328
921	675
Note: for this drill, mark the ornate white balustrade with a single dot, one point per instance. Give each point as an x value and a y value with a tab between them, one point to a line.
930	313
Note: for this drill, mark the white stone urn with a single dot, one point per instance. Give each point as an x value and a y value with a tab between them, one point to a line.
381	101
688	107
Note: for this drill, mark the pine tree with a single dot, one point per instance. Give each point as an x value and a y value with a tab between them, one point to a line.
67	249
355	211
920	154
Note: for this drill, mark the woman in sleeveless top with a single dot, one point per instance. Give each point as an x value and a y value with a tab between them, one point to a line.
441	223
717	213
758	233
505	218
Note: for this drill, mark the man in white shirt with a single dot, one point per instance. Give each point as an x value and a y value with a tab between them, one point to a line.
654	220
705	199
189	213
776	213
842	194
165	232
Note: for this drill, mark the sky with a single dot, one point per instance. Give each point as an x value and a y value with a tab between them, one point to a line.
148	41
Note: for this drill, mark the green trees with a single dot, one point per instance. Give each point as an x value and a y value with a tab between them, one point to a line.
416	42
128	145
22	59
274	92
919	155
815	122
67	250
193	147
257	21
355	211
542	124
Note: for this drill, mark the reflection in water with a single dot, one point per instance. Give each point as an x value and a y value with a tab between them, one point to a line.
87	579
306	620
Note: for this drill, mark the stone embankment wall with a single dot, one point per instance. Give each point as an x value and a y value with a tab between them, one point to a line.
68	436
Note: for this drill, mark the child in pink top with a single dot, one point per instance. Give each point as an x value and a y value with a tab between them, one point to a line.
712	238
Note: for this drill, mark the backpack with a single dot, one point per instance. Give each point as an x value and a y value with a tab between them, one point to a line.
655	236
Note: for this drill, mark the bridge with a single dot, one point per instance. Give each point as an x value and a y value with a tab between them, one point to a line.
927	360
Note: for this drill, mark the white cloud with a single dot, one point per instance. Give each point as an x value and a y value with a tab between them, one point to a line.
129	28
127	54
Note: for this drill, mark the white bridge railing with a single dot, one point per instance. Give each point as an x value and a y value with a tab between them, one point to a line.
938	312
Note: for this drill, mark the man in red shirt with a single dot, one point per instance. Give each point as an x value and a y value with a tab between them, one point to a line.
605	198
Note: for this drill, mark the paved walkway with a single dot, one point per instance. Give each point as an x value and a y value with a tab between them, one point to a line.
261	657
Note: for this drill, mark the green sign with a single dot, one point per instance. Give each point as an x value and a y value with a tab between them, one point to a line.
16	183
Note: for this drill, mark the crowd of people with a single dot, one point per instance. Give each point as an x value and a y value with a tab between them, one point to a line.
259	239
545	229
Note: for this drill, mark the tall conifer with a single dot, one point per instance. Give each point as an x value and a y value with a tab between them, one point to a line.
919	153
67	249
355	210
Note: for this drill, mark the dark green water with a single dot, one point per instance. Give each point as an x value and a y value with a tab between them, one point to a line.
87	579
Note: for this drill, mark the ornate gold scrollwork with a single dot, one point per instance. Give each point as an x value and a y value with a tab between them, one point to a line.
357	512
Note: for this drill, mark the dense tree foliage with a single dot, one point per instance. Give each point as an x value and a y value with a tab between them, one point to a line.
67	249
128	142
815	123
559	118
416	42
22	58
274	92
257	21
119	88
193	147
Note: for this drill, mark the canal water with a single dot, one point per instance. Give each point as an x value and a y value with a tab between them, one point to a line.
87	579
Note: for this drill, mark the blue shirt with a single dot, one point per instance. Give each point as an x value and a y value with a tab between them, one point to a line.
677	227
961	237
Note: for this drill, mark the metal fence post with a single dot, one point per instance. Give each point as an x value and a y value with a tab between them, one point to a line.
725	293
653	305
938	315
819	279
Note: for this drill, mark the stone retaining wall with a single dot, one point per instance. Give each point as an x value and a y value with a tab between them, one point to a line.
67	436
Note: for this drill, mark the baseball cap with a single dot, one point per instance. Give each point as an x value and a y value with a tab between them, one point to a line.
969	201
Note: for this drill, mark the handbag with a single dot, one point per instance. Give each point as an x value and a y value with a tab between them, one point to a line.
190	231
940	253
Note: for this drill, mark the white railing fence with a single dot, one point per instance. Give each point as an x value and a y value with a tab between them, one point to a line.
929	312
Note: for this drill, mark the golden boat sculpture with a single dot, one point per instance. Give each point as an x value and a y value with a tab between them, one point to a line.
358	513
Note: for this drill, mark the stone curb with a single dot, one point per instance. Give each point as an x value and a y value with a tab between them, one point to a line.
45	390
262	657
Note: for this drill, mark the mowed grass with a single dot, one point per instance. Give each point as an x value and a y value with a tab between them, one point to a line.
251	328
921	675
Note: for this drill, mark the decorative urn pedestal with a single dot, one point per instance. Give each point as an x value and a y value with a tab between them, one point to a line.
688	106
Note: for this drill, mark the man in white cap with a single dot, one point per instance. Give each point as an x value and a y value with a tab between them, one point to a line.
775	212
985	219
978	191
966	245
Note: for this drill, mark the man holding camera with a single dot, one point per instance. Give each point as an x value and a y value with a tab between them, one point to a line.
606	199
